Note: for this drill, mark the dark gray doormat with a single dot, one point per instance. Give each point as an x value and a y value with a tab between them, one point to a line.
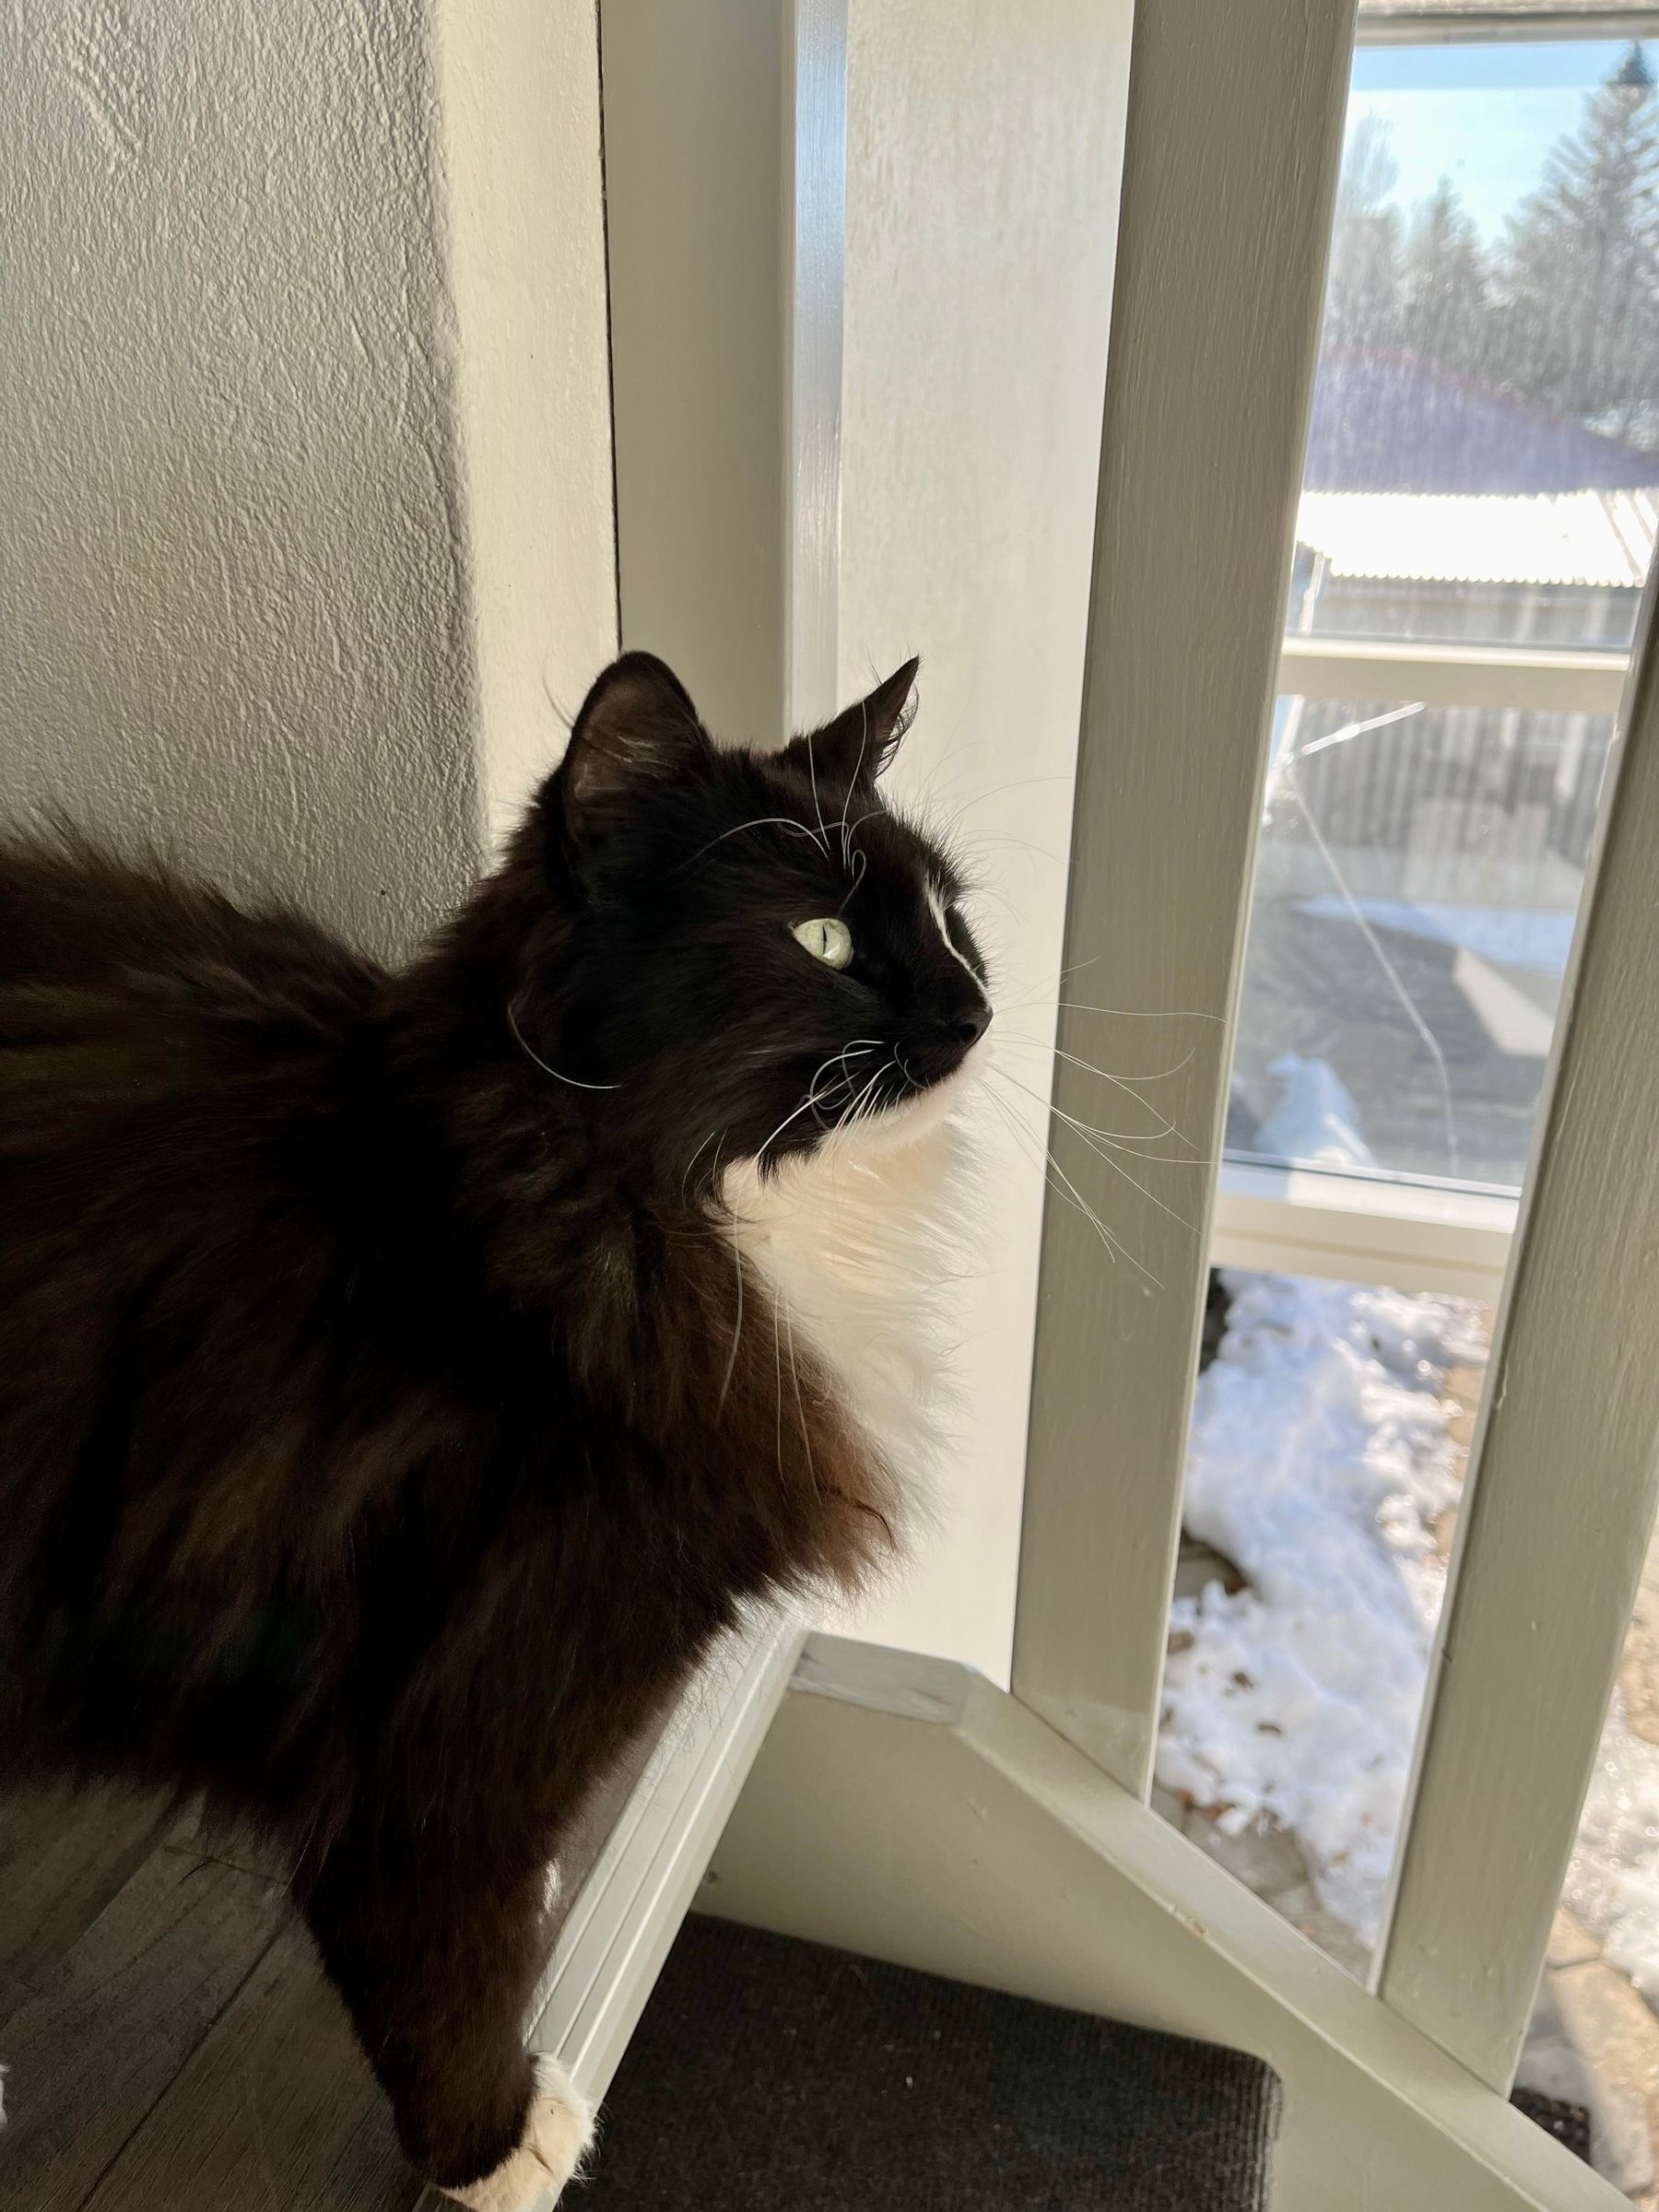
769	2076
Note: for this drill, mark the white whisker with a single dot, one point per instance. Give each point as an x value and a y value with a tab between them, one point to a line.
1128	1085
823	835
1062	1184
1132	1140
762	821
574	1082
731	1367
1082	1130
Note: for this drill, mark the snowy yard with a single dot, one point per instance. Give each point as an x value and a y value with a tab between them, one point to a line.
1326	1462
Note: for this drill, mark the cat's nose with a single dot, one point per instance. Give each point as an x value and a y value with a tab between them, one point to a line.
970	1024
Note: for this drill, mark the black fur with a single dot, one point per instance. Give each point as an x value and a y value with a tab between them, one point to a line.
379	1449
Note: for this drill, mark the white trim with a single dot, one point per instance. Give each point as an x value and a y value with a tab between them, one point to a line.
1564	1475
1352	1228
1480	25
1530	679
725	257
1222	242
619	1928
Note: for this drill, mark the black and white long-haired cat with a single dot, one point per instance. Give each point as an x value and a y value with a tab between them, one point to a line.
407	1378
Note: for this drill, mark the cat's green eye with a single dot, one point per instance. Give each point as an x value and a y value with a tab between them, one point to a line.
828	940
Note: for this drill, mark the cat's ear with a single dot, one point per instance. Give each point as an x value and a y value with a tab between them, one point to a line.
636	728
856	747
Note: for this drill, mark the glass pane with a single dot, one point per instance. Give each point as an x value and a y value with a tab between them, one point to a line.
1484	434
1416	882
1482	464
1329	1434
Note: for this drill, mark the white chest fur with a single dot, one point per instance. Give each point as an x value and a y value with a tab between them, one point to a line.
858	1244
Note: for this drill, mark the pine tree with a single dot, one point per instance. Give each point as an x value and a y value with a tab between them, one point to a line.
1578	280
1362	295
1444	314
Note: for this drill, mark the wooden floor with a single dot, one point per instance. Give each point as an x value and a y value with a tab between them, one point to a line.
169	2043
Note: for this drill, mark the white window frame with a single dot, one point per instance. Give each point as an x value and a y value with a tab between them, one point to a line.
1216	318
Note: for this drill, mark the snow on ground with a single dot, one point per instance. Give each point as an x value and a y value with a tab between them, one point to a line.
1319	1458
1613	1883
1314	1117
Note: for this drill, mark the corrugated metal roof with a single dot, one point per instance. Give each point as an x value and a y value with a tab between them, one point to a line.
1598	538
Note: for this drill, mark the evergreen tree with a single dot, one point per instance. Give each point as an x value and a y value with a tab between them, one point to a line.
1578	275
1445	311
1362	296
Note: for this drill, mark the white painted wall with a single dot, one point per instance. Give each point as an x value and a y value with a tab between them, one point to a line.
241	612
985	143
520	83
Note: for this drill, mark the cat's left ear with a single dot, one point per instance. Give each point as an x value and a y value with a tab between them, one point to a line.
857	746
636	728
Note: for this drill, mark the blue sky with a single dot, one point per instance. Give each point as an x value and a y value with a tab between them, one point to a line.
1483	114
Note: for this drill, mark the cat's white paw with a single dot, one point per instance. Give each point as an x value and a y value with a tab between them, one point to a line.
556	2139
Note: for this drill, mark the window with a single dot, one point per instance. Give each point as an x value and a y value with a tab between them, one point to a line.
1476	522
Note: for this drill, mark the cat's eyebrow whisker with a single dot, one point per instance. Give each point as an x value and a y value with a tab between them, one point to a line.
864	740
762	821
823	834
860	861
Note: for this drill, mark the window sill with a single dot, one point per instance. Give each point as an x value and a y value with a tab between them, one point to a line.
1415	1236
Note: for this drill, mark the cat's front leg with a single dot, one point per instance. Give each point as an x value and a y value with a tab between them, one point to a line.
437	1968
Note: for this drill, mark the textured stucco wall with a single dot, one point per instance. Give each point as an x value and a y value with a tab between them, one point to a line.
236	603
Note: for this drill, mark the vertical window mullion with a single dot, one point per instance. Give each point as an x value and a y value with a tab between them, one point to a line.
1235	121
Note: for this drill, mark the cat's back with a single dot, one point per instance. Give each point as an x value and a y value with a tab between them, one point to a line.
148	1023
76	917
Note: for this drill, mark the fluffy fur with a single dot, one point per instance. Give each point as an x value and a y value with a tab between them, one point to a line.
406	1378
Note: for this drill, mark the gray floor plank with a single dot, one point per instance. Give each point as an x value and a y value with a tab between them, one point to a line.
62	1860
92	2049
276	2107
172	2045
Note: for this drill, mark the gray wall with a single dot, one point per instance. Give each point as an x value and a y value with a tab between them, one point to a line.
234	600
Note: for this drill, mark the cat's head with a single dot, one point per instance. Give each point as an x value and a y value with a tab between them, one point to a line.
760	957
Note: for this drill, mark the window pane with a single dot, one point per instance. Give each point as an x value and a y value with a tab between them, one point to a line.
1482	464
1484	434
1416	882
1329	1433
